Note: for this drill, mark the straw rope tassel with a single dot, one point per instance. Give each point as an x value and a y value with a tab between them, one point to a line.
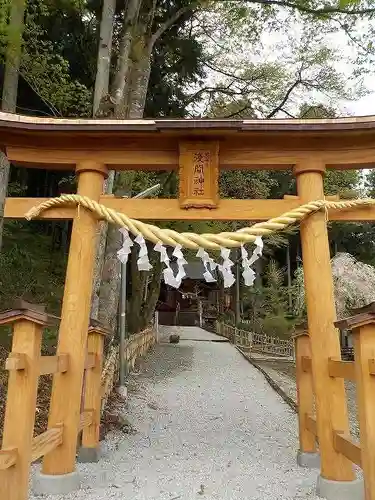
192	240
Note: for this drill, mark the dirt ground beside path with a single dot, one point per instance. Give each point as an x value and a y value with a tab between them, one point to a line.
206	425
283	373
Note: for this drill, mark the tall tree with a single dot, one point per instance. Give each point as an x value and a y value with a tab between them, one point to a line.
144	24
101	95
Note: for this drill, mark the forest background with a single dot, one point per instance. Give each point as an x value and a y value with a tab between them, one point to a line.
181	59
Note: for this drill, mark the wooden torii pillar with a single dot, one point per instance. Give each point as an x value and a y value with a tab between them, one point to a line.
337	478
59	467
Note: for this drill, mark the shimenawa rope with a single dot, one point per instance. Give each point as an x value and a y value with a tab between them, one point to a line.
192	240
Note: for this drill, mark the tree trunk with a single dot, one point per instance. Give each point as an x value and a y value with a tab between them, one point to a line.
100	92
289	277
139	78
104	53
153	294
138	285
101	240
110	282
124	60
13	56
108	306
10	90
129	93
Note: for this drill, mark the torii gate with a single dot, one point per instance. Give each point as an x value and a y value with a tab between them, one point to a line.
309	147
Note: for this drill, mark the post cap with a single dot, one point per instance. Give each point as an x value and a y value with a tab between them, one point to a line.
300	330
98	327
23	310
365	317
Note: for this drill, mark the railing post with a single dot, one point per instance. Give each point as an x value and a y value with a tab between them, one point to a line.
23	365
363	328
89	451
337	478
307	454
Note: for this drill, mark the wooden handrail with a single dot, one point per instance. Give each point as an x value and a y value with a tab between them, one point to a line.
345	445
54	364
310	423
48	364
336	367
46	442
86	419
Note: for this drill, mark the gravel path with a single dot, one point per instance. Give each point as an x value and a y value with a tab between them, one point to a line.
208	426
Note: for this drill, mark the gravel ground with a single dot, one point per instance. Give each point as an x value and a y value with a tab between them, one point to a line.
208	426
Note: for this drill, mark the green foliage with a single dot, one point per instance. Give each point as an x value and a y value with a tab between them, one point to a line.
246	185
29	269
266	306
45	65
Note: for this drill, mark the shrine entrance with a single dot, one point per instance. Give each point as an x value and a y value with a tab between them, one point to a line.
198	149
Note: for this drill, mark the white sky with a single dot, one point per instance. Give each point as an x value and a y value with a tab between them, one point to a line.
365	105
339	41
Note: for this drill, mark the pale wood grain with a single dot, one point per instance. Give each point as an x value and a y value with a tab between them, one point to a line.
67	387
330	398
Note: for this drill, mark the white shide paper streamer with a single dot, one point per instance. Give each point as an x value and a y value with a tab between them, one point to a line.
181	262
225	268
169	277
143	260
209	265
125	250
248	273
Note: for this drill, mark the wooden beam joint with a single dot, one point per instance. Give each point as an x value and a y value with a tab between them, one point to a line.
54	364
8	458
91	360
341	369
16	361
306	364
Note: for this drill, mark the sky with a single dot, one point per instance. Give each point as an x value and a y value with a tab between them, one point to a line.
365	105
275	46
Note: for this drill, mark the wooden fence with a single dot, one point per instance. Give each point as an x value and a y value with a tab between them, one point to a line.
256	342
25	365
361	371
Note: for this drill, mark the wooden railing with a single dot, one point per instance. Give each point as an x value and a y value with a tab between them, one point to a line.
137	345
256	342
362	372
25	365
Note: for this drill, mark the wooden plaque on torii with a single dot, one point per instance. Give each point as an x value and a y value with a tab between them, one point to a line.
199	174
